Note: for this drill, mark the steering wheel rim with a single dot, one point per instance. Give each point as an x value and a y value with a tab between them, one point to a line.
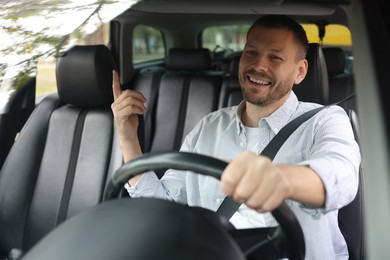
208	166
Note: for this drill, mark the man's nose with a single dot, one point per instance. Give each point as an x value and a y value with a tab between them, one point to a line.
261	63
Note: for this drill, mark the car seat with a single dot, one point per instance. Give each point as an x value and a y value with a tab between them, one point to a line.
65	153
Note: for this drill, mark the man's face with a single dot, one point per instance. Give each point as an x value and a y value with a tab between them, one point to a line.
269	65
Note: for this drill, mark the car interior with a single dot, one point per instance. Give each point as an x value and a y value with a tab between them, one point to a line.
68	144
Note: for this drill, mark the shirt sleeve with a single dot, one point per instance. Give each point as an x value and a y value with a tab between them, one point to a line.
335	157
172	185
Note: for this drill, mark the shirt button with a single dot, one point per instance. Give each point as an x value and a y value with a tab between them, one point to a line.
241	144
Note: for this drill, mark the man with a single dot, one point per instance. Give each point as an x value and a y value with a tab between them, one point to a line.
315	172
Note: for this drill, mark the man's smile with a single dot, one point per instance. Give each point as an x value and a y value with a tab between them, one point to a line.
258	81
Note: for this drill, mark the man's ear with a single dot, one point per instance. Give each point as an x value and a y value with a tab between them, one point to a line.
302	71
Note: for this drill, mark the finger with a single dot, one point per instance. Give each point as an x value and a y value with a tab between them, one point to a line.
116	86
271	192
260	196
125	110
230	178
132	94
233	173
137	108
130	98
271	201
257	170
249	182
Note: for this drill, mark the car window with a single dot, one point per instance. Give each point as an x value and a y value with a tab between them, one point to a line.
31	34
148	44
232	38
335	35
226	39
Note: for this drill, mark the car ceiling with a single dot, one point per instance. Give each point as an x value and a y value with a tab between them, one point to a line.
166	13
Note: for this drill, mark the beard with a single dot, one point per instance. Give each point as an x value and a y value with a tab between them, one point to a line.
250	95
276	92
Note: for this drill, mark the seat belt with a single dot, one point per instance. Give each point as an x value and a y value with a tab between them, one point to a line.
151	106
229	206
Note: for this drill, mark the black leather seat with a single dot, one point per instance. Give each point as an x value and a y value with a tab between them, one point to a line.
187	91
351	221
341	84
64	155
315	86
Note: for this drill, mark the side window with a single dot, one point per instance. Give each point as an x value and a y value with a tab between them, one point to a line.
148	44
335	35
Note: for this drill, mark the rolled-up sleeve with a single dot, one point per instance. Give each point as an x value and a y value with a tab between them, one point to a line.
335	157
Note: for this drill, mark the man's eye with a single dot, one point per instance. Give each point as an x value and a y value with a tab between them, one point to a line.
274	57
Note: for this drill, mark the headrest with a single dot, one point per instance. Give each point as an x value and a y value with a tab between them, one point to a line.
335	60
84	76
315	86
188	59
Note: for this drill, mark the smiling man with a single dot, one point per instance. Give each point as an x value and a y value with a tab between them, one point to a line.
315	172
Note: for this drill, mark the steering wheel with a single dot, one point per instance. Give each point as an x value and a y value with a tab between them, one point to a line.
287	238
151	228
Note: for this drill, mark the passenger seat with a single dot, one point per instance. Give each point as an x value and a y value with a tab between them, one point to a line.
188	90
65	154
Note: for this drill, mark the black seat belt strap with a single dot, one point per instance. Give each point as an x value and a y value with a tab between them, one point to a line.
229	206
148	121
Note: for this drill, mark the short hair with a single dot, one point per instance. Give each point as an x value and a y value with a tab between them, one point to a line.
284	22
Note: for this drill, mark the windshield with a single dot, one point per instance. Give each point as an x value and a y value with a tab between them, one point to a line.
34	29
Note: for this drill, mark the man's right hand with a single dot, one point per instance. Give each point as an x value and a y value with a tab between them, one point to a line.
127	105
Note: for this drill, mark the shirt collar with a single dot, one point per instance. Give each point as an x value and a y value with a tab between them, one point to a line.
277	120
239	124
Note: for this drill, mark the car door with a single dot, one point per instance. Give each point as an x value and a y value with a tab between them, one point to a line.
371	37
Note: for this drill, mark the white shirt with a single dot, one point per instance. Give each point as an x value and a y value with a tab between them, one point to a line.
325	143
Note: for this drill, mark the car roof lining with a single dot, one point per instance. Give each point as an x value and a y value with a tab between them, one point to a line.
236	7
166	13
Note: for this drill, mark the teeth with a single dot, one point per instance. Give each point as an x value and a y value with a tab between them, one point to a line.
258	81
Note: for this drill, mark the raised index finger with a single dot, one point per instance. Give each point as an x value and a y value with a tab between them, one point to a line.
116	85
